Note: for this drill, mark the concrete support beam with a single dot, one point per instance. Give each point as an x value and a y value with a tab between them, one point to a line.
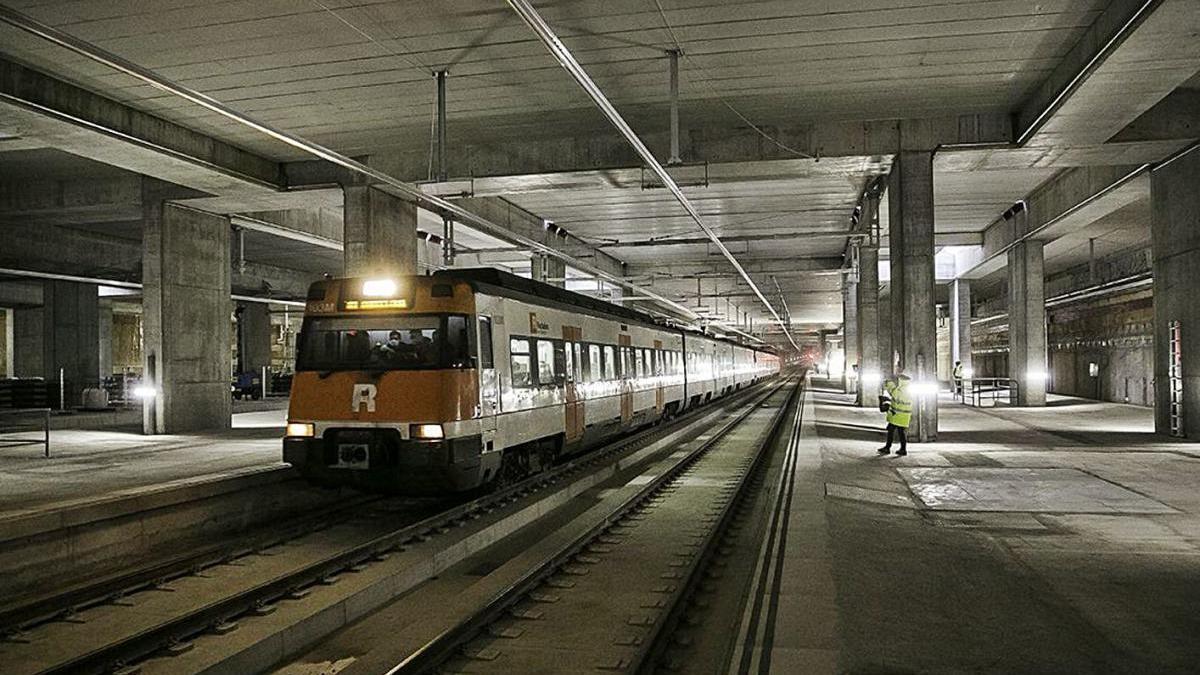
531	226
780	267
1063	206
380	233
1133	55
548	269
850	335
1175	233
870	367
62	115
601	149
1027	322
914	333
185	301
254	336
960	323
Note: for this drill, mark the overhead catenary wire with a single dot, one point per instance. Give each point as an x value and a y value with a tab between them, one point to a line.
568	62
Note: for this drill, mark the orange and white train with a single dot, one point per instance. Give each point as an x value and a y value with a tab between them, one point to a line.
449	382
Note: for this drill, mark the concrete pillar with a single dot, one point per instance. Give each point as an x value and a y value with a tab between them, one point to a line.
104	328
886	353
61	334
960	323
380	236
254	348
548	269
870	360
913	322
186	327
1027	322
850	334
6	337
1175	236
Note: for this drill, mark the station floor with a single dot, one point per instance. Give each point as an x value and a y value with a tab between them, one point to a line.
92	463
1057	540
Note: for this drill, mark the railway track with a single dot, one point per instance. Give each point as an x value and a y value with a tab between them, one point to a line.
372	554
607	598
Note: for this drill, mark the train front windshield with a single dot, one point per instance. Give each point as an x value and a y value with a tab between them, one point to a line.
384	343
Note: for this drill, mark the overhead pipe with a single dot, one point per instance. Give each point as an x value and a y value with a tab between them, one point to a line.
568	62
433	203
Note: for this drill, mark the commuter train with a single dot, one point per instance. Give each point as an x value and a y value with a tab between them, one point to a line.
467	377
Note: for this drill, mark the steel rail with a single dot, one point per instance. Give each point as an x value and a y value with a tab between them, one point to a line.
134	648
433	203
444	646
567	60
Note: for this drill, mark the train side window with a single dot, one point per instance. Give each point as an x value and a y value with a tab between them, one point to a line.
578	349
610	363
640	357
569	361
594	363
562	358
522	370
626	367
485	343
545	362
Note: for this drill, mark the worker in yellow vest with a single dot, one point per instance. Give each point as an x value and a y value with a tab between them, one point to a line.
899	413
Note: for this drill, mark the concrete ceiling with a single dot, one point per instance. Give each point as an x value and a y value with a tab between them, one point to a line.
356	76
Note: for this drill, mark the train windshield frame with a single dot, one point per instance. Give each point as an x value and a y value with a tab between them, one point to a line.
386	342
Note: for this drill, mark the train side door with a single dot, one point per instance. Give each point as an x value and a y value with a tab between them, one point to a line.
658	368
573	408
627	379
489	383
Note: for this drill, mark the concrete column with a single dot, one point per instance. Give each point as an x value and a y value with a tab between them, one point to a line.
850	334
186	327
6	336
1027	322
104	328
960	323
886	353
61	334
28	350
869	352
380	236
254	347
914	324
1175	235
548	269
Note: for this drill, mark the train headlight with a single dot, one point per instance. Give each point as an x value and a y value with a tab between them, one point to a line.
426	432
379	288
301	429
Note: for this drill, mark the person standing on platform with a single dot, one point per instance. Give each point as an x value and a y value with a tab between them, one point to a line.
899	413
958	378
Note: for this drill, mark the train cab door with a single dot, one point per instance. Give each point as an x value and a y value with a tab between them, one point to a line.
489	384
573	404
658	368
628	378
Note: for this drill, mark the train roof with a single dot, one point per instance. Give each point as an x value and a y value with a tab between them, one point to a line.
499	282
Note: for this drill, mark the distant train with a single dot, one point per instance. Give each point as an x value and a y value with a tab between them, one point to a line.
448	382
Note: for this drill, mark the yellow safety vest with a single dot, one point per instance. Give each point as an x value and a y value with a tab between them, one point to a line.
900	411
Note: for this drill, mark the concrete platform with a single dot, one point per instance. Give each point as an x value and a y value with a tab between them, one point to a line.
93	463
1060	539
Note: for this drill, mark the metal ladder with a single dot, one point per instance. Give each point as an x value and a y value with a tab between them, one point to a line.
1175	378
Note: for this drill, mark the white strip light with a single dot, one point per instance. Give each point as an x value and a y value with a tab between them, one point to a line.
567	60
431	202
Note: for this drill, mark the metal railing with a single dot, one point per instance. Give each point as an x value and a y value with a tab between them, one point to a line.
11	422
978	391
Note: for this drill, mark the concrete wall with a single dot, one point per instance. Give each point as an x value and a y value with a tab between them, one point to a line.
127	342
1116	335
